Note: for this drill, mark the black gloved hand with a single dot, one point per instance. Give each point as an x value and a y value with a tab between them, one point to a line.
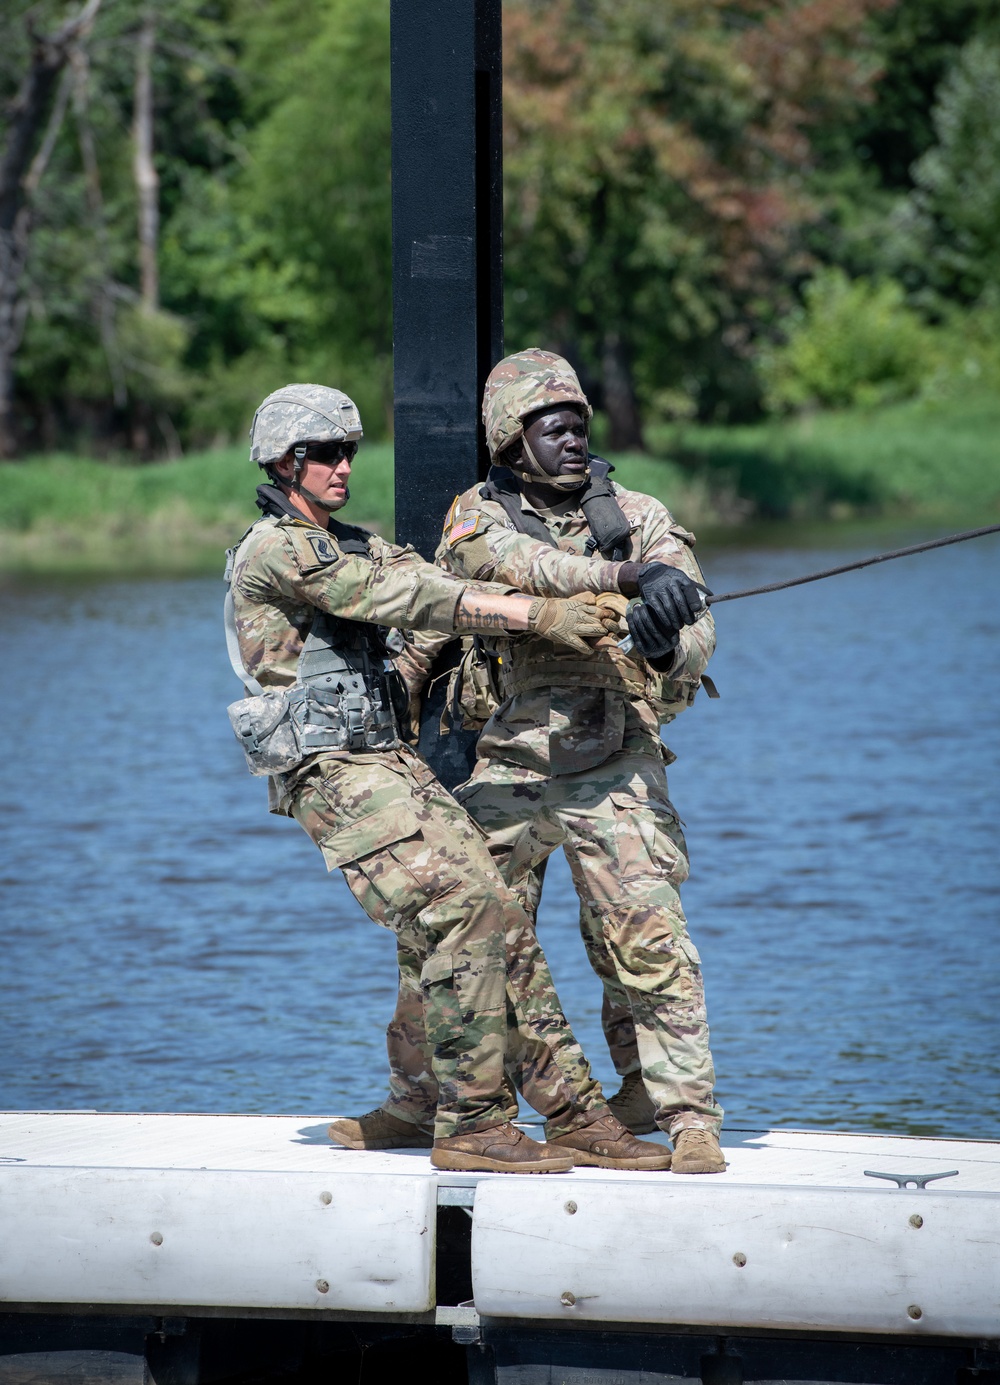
650	637
671	595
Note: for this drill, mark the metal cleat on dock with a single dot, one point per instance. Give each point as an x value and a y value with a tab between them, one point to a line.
908	1180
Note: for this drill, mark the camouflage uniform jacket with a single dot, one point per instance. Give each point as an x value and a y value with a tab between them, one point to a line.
563	713
286	567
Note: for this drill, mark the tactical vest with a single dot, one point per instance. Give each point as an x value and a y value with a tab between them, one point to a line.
534	664
347	694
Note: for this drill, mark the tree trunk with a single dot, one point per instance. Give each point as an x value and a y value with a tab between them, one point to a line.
21	170
624	423
104	308
146	180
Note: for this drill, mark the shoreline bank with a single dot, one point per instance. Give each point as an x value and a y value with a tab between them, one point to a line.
805	480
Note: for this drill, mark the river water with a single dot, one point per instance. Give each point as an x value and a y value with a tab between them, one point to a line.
170	947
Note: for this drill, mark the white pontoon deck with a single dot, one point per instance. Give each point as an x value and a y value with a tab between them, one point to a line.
198	1213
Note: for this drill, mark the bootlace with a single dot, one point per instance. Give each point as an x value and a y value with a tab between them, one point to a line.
380	1114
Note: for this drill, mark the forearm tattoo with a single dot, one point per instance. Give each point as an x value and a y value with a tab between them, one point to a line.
478	619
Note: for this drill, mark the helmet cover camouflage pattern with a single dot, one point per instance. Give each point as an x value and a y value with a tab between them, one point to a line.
522	384
302	413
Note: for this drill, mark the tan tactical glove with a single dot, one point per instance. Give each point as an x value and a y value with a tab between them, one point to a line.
611	608
570	621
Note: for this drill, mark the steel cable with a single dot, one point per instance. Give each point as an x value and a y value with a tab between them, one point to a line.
851	567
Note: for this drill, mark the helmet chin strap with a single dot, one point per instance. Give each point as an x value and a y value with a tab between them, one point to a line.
324	504
300	456
533	474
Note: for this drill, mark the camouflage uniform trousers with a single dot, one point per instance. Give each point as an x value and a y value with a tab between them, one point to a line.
628	858
417	865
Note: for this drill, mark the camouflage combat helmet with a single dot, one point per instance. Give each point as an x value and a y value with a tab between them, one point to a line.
298	414
521	385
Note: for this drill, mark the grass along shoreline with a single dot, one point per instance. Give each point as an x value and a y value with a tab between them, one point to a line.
63	515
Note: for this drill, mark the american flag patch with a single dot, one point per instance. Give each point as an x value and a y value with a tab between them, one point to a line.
463	530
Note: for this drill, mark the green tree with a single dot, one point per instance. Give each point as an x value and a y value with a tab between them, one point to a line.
284	263
956	205
39	87
917	43
863	177
852	342
92	363
656	165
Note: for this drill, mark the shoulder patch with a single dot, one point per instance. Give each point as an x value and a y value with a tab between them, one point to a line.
452	514
323	549
463	530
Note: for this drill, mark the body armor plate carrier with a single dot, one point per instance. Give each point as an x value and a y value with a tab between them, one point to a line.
346	696
447	739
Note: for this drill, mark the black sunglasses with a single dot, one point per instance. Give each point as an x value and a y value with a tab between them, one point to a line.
331	452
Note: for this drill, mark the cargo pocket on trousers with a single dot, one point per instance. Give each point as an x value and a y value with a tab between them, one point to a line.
651	836
376	857
469	990
442	1008
690	976
365	835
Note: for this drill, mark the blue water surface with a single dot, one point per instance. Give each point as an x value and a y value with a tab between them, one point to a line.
169	946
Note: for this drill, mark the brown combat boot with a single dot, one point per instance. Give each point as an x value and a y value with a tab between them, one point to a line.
632	1105
697	1151
379	1129
607	1144
500	1149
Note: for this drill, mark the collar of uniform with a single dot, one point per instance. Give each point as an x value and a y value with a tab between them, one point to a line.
275	504
566	509
348	537
564	513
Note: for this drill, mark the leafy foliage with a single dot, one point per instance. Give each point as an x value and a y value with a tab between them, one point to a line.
291	254
656	162
715	207
853	342
957	201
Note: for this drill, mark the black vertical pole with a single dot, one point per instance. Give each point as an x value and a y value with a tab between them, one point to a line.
447	246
